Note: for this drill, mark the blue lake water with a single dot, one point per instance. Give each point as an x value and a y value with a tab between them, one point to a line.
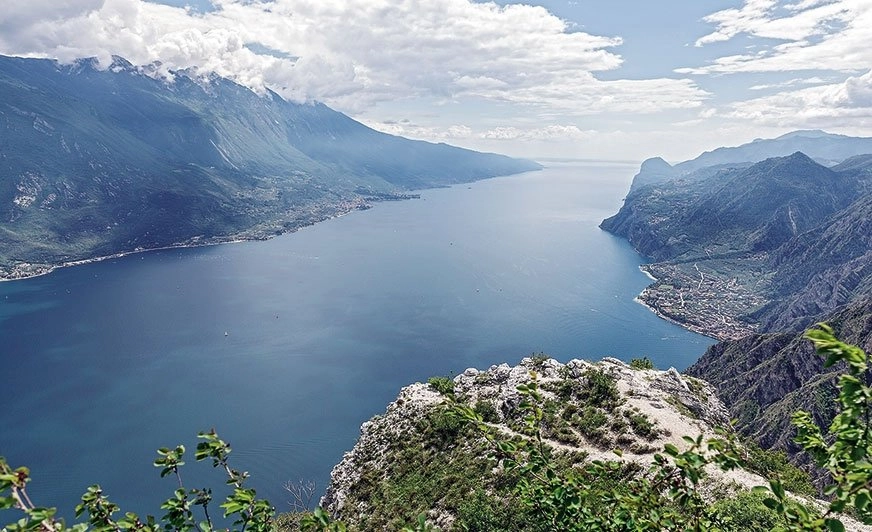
104	363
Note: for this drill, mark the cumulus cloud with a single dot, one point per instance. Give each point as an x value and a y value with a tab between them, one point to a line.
353	53
834	105
812	35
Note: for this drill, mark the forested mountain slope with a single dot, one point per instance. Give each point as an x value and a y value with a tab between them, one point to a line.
101	161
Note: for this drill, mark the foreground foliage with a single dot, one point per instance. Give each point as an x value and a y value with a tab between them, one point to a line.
538	488
242	505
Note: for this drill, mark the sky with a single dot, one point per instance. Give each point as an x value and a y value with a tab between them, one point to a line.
608	80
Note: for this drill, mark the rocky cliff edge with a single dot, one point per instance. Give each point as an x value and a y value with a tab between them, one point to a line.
590	410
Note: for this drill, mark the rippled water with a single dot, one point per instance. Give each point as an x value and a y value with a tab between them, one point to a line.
287	346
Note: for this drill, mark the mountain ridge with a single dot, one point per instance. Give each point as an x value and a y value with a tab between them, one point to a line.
98	162
752	255
827	149
723	240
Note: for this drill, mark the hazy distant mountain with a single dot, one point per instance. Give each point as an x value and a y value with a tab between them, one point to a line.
734	210
825	148
95	162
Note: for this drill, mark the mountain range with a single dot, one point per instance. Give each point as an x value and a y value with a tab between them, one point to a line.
99	161
826	148
749	244
753	252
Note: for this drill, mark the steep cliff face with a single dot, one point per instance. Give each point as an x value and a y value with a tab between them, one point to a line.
734	210
823	269
763	378
414	458
653	170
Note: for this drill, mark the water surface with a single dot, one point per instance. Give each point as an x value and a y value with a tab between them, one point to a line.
287	346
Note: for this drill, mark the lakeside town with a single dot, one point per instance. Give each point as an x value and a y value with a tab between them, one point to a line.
709	297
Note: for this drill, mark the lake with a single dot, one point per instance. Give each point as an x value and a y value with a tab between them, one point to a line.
286	346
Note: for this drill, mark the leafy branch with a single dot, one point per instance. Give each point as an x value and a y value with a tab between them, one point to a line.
251	513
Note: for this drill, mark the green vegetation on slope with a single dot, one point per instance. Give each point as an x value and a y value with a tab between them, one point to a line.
102	161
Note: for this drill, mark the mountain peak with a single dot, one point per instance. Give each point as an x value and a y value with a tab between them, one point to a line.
789	163
819	145
120	63
808	134
655	164
798	156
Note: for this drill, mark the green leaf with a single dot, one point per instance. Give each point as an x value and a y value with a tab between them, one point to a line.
7	502
862	500
834	525
777	488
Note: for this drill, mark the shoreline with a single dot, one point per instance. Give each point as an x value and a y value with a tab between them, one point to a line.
45	269
684	325
23	271
721	333
39	270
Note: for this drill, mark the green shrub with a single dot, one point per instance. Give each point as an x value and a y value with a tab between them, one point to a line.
539	360
443	425
641	363
481	512
600	388
746	512
770	463
567	388
487	411
641	424
591	422
443	385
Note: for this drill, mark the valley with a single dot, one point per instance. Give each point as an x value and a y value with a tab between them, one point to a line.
267	220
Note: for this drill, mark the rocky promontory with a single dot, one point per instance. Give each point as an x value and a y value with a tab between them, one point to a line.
418	459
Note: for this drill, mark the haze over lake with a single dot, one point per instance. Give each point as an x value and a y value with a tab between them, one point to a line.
286	346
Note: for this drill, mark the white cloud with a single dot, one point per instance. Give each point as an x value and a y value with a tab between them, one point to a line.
789	83
732	22
552	132
809	35
354	53
555	132
837	106
758	18
816	35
